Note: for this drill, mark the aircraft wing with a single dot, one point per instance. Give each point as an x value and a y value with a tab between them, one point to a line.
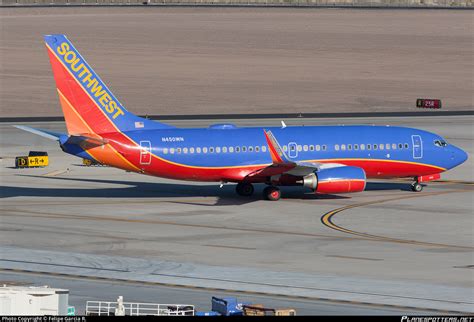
282	164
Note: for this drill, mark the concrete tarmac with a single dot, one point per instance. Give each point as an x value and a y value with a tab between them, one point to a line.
393	247
160	60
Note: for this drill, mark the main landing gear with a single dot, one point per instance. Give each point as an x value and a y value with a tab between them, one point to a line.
246	189
416	186
272	193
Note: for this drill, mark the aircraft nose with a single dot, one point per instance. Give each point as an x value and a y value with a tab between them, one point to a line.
459	156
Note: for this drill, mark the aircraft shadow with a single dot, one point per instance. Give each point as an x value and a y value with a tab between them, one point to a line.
226	195
136	189
402	186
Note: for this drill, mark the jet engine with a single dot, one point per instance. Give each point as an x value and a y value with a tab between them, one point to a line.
336	180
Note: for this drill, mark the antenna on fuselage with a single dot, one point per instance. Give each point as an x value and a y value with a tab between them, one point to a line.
283	125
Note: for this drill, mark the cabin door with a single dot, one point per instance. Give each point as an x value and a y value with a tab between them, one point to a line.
145	152
417	146
292	150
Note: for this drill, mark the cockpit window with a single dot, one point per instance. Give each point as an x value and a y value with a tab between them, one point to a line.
440	143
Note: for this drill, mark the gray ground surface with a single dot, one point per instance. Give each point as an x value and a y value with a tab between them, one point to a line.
151	229
245	60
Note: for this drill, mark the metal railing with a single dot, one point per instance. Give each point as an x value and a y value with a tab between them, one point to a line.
103	308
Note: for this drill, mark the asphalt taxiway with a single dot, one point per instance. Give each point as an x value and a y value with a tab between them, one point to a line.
386	246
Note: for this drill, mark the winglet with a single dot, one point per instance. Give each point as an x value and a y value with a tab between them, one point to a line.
276	152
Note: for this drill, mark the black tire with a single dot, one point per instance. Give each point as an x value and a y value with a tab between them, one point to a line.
416	187
244	189
272	193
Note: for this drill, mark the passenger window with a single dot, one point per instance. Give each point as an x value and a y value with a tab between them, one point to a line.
375	147
311	147
211	149
349	146
343	147
244	149
172	150
198	150
406	145
204	150
381	146
218	149
224	149
356	146
257	149
336	147
400	146
362	146
324	147
178	150
231	149
285	148
318	147
394	146
191	150
185	150
165	151
387	146
264	148
250	148
369	147
300	148
237	149
305	148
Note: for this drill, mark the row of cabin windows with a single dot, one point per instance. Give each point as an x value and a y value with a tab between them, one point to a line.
299	148
305	147
381	146
216	149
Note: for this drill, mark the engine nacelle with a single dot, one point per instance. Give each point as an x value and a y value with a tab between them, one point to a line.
336	180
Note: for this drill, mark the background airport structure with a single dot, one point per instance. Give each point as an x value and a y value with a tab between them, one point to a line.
315	3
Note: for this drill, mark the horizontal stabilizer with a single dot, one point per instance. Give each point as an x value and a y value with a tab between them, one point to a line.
44	133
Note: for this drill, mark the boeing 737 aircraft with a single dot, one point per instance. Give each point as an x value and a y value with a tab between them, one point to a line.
325	159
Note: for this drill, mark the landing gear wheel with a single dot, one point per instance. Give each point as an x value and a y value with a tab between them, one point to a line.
244	189
272	193
417	187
